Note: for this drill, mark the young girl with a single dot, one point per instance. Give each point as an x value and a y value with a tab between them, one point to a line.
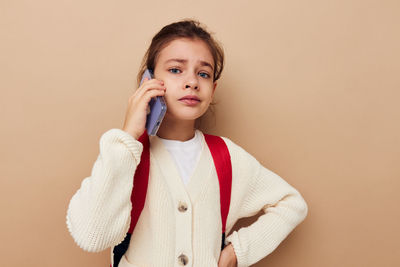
180	224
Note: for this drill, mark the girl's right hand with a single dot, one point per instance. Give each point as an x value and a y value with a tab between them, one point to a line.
136	113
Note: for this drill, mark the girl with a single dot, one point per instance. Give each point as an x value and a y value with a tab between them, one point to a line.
180	224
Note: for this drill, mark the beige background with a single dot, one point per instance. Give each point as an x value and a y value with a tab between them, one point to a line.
310	88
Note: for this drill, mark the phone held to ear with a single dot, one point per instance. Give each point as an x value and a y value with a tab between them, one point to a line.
157	108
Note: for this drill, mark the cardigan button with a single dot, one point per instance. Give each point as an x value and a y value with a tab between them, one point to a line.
182	206
183	259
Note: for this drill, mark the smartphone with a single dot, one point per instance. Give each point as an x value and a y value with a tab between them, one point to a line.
157	106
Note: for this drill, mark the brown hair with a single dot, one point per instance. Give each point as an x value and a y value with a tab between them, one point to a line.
187	28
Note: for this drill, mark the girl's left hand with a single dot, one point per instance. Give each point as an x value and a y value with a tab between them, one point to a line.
227	257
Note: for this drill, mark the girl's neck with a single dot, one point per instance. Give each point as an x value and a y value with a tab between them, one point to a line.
174	130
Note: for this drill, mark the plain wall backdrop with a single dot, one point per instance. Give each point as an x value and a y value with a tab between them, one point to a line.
310	88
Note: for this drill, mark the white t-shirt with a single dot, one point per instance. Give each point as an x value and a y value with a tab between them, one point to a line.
186	154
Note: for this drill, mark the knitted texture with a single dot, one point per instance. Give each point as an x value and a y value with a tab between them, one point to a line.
98	215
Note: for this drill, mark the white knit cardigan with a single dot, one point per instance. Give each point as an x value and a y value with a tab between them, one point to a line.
98	215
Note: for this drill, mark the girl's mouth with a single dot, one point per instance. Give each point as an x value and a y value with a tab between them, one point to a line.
189	102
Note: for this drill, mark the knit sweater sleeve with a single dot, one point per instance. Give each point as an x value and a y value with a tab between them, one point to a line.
255	188
98	214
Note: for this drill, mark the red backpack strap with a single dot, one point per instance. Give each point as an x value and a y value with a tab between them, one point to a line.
223	166
140	182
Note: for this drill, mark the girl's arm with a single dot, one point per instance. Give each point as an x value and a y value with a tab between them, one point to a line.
282	204
98	215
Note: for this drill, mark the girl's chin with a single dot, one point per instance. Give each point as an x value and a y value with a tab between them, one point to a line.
182	117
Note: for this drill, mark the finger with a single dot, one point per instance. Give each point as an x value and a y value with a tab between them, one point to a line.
138	94
147	80
149	84
220	262
145	98
149	88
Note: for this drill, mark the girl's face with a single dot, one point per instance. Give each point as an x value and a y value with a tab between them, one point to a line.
186	67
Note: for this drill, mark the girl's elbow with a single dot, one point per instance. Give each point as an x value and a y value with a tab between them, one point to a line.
90	238
89	246
90	242
83	238
296	207
302	208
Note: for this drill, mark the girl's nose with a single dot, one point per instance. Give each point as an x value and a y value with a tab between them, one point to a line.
190	86
191	82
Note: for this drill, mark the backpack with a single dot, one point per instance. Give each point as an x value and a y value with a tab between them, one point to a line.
222	162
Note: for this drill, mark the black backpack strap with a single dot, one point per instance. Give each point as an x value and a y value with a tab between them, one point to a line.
120	249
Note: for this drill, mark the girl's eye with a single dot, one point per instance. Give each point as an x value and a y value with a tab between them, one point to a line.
174	70
204	75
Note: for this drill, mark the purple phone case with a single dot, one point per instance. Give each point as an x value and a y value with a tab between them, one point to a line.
157	109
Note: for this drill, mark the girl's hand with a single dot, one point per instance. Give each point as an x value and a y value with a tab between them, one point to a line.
136	113
227	257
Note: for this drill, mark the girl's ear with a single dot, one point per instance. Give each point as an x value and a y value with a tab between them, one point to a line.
214	86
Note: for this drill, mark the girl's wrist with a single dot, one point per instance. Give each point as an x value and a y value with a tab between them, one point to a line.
133	134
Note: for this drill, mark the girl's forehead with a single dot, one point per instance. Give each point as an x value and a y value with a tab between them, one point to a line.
184	48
